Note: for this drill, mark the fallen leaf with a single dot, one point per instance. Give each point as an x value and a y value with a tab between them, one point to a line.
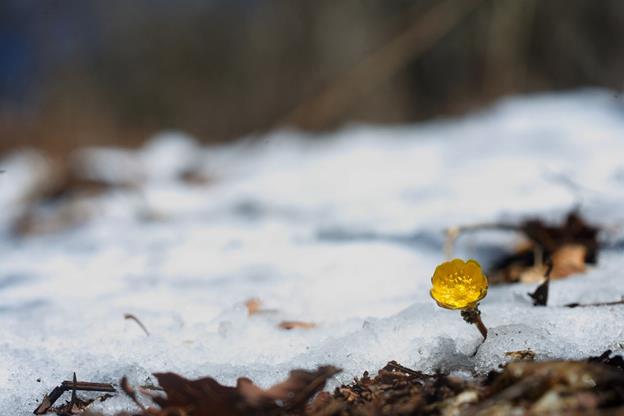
202	397
288	325
570	246
294	392
253	305
568	259
205	396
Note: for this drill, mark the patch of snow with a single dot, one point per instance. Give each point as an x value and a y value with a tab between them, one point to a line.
343	230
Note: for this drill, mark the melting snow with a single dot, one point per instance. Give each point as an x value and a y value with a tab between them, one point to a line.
343	230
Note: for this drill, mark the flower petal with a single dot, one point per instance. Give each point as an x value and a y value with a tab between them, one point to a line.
457	284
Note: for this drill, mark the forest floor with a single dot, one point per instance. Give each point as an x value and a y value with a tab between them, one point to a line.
315	252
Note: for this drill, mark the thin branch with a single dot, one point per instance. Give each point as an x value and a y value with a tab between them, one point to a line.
73	389
73	385
403	369
587	305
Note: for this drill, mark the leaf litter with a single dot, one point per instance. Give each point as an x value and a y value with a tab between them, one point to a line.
566	248
522	386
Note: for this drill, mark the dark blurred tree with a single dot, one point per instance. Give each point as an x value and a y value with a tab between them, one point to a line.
76	72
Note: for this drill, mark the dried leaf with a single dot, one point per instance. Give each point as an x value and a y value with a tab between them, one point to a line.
206	396
253	305
288	325
570	246
300	386
202	397
568	259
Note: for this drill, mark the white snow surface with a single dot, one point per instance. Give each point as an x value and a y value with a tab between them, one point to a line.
341	229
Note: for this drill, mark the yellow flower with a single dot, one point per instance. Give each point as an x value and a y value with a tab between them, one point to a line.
458	284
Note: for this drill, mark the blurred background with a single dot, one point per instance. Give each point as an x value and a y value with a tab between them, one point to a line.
75	73
335	230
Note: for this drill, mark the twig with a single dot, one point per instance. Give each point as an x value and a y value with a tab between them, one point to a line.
587	305
73	389
88	386
399	367
49	399
135	319
149	387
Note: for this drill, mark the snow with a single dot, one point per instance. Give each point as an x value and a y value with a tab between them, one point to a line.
343	230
